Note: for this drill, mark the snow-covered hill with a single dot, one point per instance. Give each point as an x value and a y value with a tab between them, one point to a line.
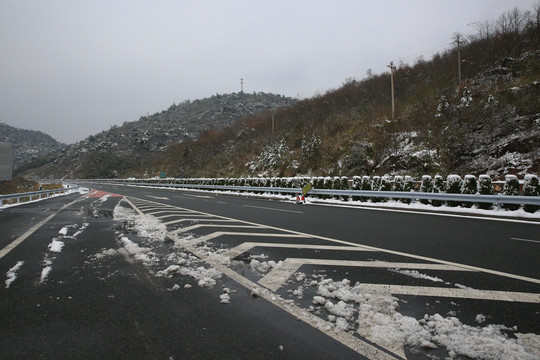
28	145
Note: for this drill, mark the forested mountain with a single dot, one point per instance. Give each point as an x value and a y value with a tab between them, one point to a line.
487	121
28	145
130	146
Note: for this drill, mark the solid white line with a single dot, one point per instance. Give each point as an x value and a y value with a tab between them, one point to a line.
267	208
527	240
458	293
33	229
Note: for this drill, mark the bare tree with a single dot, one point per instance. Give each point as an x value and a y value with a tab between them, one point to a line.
516	20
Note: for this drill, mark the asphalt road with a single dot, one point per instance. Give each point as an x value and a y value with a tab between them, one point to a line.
477	242
93	306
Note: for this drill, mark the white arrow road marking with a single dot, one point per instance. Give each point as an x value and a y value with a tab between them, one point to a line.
278	276
242	248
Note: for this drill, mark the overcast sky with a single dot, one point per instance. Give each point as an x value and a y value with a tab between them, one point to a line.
75	68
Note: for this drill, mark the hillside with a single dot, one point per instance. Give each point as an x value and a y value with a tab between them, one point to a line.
131	146
28	145
486	122
489	122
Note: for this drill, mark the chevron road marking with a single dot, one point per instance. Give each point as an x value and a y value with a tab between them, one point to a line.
179	212
364	348
234	233
197	220
197	226
242	248
458	293
279	275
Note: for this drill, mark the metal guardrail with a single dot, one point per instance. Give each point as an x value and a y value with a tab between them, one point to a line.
32	194
498	199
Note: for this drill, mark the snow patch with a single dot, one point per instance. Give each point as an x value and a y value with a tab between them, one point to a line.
56	245
12	273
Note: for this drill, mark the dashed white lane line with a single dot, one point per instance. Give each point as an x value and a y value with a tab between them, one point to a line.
527	240
267	208
33	229
279	275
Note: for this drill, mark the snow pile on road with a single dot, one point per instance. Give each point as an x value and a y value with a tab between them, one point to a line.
206	277
145	226
12	273
373	312
156	254
360	309
143	254
56	245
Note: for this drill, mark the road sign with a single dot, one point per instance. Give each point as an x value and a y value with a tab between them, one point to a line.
306	188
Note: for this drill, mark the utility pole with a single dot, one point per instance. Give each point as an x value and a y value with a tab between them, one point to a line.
273	125
458	42
392	68
242	85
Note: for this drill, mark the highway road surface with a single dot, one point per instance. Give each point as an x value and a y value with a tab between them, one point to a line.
127	272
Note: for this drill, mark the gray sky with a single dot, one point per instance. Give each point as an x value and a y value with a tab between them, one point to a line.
75	68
